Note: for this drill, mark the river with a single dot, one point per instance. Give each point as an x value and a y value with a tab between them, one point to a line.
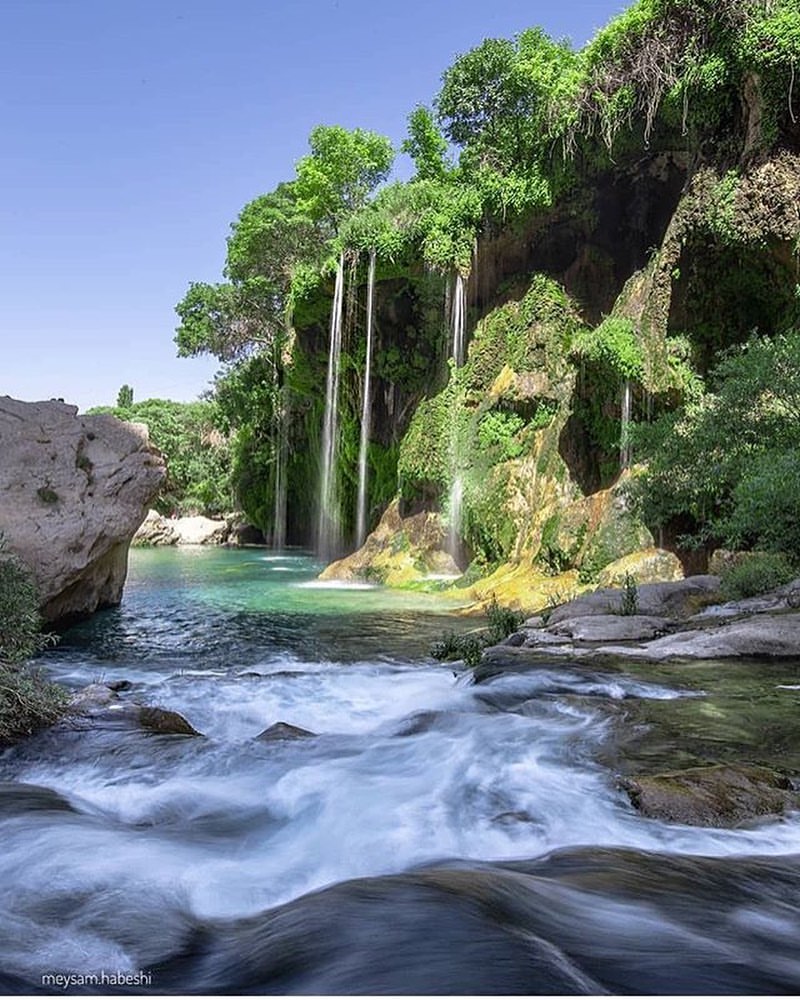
434	836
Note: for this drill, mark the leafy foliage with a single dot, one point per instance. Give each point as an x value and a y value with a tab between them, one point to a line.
756	574
27	702
197	454
729	459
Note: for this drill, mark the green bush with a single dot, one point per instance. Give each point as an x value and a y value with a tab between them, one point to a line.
467	647
502	622
27	701
756	574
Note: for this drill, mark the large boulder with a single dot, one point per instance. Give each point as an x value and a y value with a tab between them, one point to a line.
73	490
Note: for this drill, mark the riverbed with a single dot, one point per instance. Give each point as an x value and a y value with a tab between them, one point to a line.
433	835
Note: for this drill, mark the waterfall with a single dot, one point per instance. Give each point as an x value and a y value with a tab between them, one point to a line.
458	326
366	411
281	455
625	429
328	525
458	320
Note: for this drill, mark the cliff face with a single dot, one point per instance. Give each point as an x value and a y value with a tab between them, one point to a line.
599	297
73	490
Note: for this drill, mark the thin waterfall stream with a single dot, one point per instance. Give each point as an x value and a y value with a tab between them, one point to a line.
281	458
366	409
458	328
329	519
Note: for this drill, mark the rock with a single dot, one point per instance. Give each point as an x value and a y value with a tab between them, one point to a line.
155	530
678	599
102	704
199	530
93	697
398	552
162	720
241	532
647	566
761	636
284	731
73	490
718	795
611	628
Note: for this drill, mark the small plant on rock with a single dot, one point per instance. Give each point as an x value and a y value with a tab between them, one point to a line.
630	596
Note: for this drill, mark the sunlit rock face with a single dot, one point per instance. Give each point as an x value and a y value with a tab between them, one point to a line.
73	490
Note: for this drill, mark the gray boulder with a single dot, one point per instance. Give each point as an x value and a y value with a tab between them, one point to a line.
73	490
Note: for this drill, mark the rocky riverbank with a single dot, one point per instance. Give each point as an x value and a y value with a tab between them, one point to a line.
661	622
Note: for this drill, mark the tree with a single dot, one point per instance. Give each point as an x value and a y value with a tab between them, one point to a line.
342	170
729	461
125	397
426	146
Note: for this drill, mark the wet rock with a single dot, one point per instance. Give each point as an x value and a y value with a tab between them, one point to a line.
93	697
120	685
162	720
73	490
284	731
718	795
401	550
611	628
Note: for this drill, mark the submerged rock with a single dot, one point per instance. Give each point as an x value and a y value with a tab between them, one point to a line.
718	795
73	490
284	731
101	704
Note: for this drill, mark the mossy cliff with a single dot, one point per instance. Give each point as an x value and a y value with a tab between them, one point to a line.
617	218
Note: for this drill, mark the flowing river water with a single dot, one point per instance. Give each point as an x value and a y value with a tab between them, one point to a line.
436	835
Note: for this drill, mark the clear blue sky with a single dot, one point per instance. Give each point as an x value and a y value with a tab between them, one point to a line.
133	131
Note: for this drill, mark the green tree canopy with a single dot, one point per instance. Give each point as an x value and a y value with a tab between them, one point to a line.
342	170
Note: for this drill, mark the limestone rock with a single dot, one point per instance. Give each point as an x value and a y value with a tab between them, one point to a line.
155	530
678	599
399	551
760	636
718	795
611	628
73	490
648	566
199	530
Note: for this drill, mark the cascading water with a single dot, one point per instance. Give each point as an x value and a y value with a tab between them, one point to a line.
625	429
458	320
329	523
281	455
366	410
458	327
188	857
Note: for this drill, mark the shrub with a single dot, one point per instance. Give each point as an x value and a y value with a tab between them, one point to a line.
502	622
756	574
27	701
467	647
